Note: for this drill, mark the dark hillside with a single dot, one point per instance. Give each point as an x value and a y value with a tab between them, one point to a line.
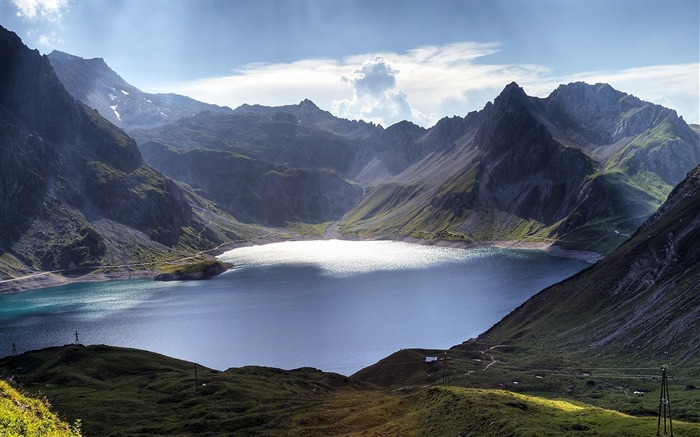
75	192
642	301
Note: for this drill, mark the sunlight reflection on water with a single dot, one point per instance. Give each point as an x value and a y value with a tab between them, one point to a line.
340	258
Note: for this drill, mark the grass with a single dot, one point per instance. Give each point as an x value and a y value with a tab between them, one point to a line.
117	391
22	415
308	229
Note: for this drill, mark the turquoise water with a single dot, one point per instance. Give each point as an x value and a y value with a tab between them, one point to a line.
334	305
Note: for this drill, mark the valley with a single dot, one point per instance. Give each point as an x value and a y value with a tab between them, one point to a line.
100	181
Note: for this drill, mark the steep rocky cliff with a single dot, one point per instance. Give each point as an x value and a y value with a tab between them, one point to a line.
74	189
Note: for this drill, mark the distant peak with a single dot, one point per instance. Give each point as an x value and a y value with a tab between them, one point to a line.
513	86
63	56
306	103
512	92
600	93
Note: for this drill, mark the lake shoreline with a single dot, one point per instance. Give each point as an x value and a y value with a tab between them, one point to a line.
49	279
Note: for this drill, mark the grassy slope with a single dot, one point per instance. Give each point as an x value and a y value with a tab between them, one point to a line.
22	415
117	391
599	336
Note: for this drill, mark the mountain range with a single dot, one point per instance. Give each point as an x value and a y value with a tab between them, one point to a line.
581	168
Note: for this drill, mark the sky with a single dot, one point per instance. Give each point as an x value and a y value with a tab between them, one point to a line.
382	60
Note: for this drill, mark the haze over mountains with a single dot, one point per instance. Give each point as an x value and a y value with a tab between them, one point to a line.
582	168
92	82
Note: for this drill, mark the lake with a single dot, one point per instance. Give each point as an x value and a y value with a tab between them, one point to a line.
335	305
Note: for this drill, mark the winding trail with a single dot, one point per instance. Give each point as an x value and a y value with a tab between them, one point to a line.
493	360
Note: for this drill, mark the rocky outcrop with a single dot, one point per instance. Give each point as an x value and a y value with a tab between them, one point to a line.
194	271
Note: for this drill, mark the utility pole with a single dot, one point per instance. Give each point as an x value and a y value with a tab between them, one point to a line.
196	384
445	374
664	403
76	337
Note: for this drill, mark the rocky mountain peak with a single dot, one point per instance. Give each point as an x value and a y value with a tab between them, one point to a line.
308	105
95	84
95	63
603	114
511	94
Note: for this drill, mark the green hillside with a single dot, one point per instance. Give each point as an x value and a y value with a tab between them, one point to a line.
22	415
119	392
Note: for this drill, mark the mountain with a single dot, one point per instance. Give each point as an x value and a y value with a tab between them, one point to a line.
544	170
536	169
265	166
599	337
92	82
74	189
580	169
642	301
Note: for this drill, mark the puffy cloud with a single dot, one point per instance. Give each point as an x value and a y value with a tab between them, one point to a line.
51	10
373	78
376	97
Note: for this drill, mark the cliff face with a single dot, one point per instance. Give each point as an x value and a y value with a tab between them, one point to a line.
75	190
256	190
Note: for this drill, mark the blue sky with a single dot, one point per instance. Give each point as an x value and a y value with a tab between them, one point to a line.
379	60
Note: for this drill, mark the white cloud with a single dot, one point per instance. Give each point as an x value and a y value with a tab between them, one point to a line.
51	10
373	78
425	84
48	40
375	97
